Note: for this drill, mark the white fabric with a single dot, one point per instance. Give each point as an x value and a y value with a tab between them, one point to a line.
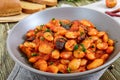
100	6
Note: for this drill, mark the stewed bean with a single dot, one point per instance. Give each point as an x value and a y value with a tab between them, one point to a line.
65	46
95	63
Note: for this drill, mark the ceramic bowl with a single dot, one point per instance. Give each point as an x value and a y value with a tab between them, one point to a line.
101	21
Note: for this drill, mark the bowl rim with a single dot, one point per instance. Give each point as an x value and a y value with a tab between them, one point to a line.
52	74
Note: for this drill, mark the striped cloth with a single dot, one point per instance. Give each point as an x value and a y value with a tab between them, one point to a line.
20	73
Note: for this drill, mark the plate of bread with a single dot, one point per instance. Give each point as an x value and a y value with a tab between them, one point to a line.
15	10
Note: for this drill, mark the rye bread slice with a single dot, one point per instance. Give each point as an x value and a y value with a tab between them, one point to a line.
29	7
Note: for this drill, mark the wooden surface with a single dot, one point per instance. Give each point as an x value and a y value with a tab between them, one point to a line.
6	63
13	18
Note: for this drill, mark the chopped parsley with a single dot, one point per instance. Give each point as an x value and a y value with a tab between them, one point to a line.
41	25
83	47
47	30
66	26
42	38
68	70
34	54
76	47
51	63
81	33
53	19
60	23
36	31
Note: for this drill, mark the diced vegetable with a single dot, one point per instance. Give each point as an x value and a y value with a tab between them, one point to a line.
60	42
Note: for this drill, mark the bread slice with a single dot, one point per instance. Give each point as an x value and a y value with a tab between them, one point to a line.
10	7
29	7
46	2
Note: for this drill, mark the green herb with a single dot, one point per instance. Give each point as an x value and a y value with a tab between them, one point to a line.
51	63
81	33
34	54
42	38
60	23
66	26
68	70
41	25
36	31
76	47
53	19
47	30
83	47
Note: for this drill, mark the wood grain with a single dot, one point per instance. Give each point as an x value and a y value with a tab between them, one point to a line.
6	63
13	18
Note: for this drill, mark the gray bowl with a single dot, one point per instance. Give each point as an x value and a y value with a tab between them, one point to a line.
101	21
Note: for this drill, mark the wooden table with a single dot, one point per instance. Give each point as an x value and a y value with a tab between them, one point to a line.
7	64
